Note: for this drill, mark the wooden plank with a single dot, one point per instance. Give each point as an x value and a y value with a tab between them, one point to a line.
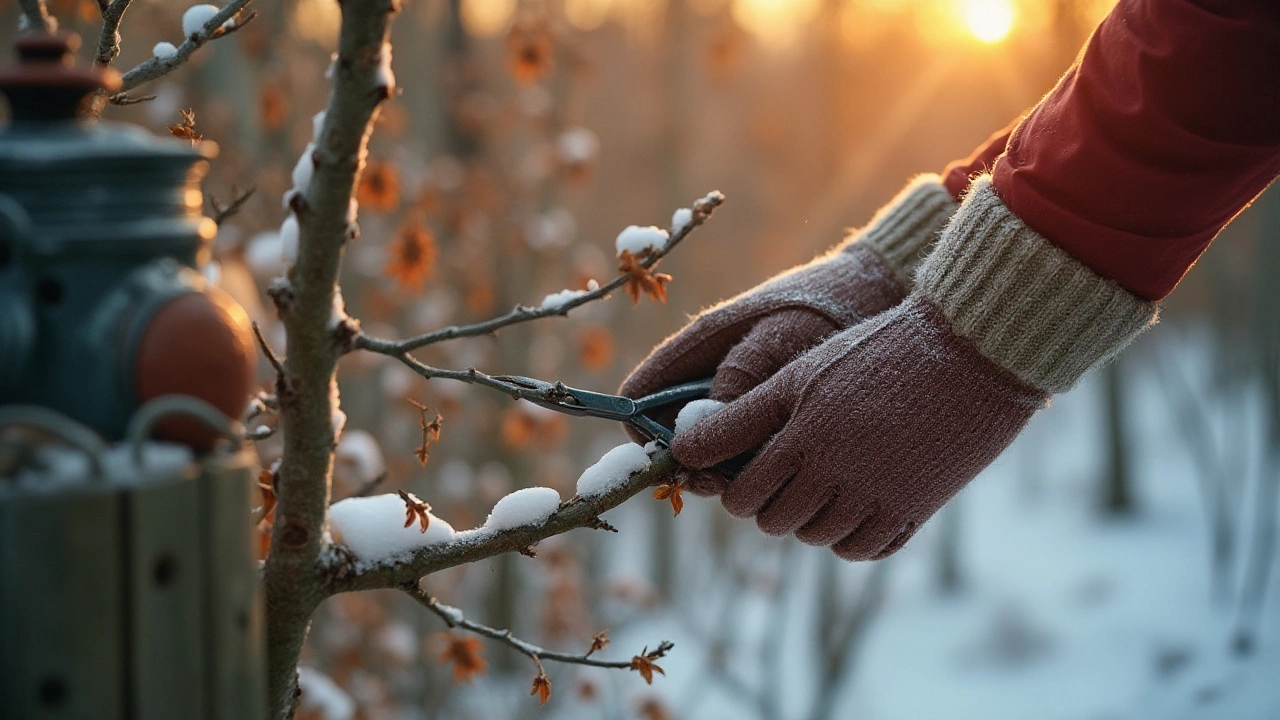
235	623
166	595
61	606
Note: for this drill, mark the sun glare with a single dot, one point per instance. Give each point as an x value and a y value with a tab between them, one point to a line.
988	20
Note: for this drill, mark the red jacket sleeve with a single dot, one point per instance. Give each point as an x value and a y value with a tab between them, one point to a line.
1166	128
958	174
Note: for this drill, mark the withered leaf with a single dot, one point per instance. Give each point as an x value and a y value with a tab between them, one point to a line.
464	653
541	688
641	279
644	665
430	431
671	492
186	130
598	641
415	510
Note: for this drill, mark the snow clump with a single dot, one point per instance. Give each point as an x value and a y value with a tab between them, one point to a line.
303	171
557	300
373	527
693	412
386	78
530	506
681	219
164	50
612	470
635	239
289	240
194	19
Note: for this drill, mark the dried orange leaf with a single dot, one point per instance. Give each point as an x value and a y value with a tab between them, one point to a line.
641	279
415	510
464	653
541	688
598	641
186	130
672	493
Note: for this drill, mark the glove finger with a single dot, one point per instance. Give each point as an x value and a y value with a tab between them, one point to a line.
836	521
705	483
767	474
870	539
773	342
897	543
742	425
692	353
793	506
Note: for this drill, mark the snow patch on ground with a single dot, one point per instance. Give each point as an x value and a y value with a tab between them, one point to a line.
612	470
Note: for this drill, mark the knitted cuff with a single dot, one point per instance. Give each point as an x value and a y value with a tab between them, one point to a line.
905	229
1026	304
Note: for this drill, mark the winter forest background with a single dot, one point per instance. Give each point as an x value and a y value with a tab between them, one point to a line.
1114	563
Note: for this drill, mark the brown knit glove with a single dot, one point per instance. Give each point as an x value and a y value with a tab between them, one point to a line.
744	340
864	437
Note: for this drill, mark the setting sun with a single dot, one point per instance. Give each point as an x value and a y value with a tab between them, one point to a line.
988	20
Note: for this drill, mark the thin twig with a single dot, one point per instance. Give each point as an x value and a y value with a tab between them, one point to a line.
454	618
155	67
267	351
370	485
238	199
125	99
702	210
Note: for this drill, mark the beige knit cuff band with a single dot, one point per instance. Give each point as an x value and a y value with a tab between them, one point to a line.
1025	303
906	228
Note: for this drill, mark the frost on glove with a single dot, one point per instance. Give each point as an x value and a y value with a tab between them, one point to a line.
746	339
866	436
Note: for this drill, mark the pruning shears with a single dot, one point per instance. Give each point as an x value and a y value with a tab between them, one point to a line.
585	403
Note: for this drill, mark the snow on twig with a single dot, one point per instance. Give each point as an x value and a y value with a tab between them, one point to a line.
223	23
701	211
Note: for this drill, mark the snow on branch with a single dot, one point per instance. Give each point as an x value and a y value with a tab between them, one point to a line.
222	23
349	574
684	222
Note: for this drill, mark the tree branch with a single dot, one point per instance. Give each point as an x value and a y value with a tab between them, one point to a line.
471	546
155	67
702	210
38	17
454	618
293	579
109	38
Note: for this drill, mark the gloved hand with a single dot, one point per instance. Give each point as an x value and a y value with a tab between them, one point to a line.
744	340
864	437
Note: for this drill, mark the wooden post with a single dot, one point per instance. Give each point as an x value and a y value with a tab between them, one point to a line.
129	594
